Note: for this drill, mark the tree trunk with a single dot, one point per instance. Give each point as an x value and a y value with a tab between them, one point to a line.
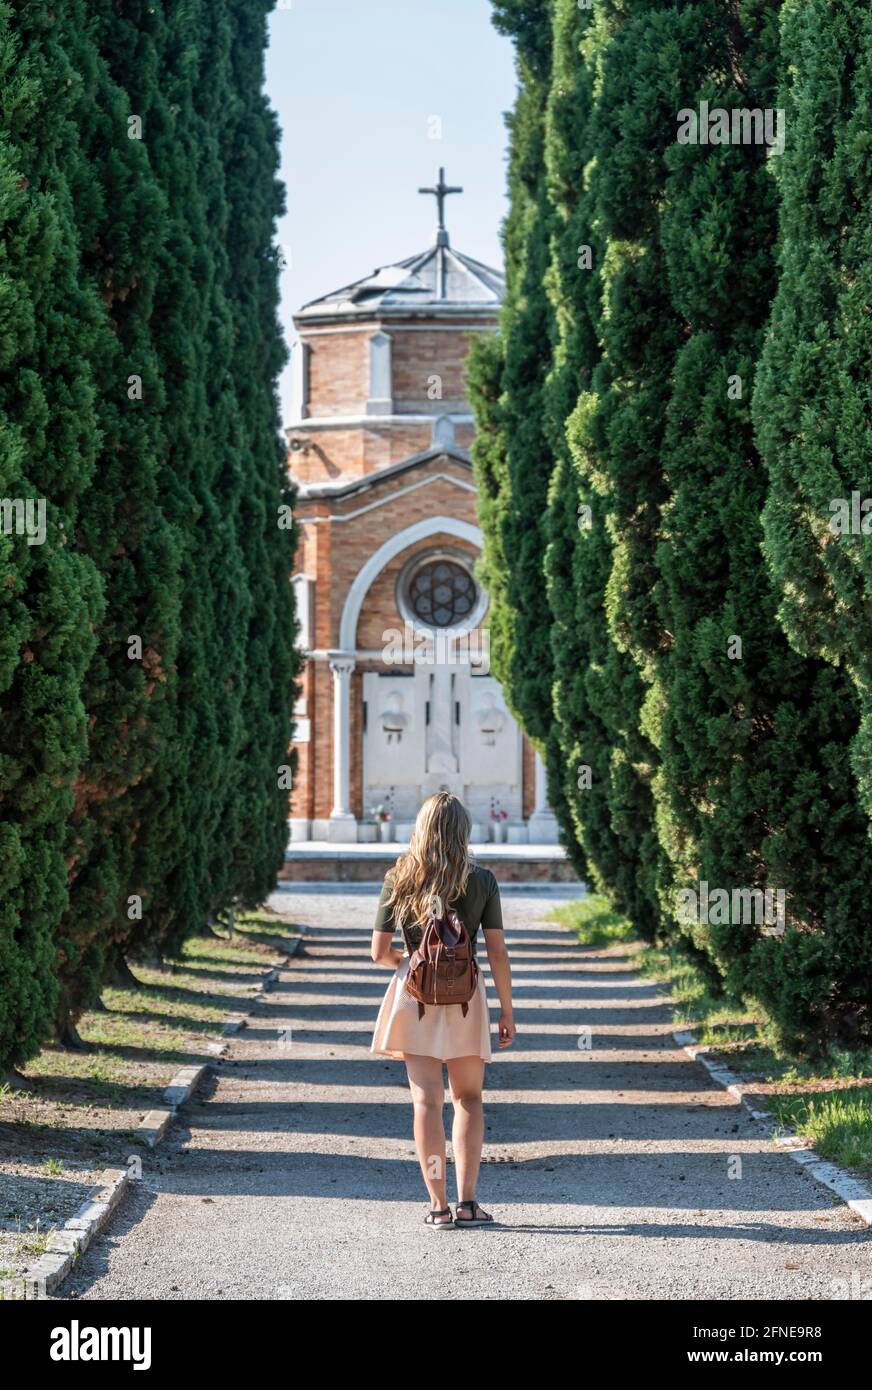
120	974
18	1082
68	1037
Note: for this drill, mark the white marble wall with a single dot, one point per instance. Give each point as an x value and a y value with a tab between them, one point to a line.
471	744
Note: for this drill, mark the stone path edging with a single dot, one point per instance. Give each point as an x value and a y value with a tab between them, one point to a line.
48	1272
853	1192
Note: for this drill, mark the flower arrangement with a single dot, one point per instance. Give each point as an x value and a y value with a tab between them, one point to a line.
380	813
498	814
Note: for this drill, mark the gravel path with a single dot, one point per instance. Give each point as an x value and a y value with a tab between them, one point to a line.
608	1169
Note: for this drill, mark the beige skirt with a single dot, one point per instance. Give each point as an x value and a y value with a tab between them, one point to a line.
443	1032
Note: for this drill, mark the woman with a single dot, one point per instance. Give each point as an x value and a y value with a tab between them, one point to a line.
437	864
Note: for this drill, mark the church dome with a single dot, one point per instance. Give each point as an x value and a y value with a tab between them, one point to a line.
440	280
437	281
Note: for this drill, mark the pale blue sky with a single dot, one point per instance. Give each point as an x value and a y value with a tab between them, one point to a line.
355	84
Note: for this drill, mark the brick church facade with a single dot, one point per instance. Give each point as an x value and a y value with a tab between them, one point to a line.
397	695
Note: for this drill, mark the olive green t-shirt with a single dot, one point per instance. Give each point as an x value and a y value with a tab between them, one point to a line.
478	906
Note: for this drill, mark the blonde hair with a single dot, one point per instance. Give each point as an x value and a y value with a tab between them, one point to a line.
437	862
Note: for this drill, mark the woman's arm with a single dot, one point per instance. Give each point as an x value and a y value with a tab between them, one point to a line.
383	950
498	960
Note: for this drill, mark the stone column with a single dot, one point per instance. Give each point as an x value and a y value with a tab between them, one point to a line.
342	825
543	825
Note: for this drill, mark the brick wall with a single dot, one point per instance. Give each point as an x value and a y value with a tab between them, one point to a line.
339	371
419	356
339	379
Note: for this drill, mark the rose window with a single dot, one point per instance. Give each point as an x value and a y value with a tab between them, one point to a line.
442	594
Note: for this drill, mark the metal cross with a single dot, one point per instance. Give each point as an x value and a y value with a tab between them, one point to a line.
440	193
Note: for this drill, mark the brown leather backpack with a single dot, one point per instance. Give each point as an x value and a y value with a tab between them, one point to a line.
443	968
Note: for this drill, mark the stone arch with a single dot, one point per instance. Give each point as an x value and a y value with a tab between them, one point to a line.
368	572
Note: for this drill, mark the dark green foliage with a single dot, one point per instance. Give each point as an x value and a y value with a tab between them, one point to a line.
139	349
813	402
604	807
215	331
645	56
191	335
121	213
526	346
748	744
484	386
511	456
50	333
528	22
705	763
258	807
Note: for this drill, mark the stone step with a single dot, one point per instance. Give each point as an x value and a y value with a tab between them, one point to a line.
321	862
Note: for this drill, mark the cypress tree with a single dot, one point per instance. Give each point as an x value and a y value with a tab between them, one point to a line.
646	55
216	315
147	657
812	399
484	383
255	201
511	457
227	605
49	441
202	480
747	731
116	862
597	747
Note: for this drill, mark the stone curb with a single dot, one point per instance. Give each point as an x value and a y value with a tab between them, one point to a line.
48	1272
183	1084
854	1193
153	1127
180	1089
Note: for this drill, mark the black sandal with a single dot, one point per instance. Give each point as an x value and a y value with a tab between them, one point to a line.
472	1220
439	1225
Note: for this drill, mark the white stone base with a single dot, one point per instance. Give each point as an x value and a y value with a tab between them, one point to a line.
484	851
342	830
542	830
347	830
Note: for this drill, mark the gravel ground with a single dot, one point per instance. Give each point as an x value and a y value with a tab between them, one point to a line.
81	1114
618	1171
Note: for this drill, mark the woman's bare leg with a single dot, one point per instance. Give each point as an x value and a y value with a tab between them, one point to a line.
465	1078
428	1100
